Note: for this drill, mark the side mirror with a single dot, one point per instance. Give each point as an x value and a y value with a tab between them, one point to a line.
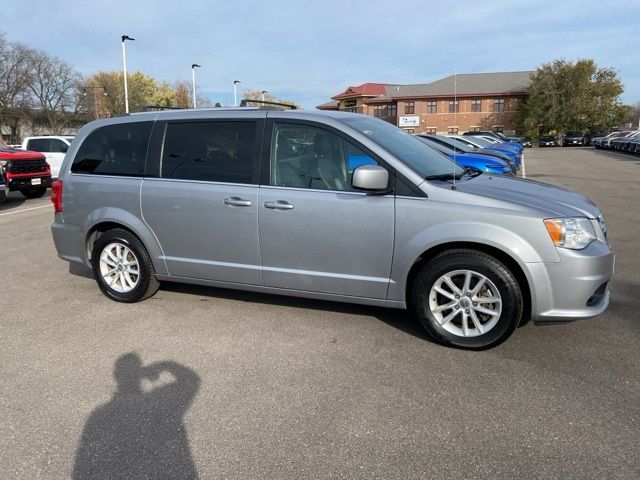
373	178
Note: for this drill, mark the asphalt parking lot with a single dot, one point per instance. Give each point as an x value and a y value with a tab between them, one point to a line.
276	387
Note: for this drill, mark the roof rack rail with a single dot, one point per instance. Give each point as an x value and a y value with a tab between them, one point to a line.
267	105
155	108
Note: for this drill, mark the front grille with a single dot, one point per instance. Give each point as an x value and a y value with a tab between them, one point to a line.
27	166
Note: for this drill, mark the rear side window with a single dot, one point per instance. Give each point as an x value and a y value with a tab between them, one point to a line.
210	151
114	150
39	145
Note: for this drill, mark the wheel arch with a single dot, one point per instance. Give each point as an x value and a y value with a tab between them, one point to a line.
508	260
106	221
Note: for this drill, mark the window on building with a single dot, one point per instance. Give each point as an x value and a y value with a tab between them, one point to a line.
454	107
432	107
392	110
377	111
351	109
452	130
474	129
498	128
498	105
210	151
410	130
431	131
409	108
309	157
114	150
476	105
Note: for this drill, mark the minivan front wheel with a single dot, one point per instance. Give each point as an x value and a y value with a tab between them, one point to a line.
122	267
467	299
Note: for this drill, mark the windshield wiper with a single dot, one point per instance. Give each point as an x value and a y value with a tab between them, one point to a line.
452	175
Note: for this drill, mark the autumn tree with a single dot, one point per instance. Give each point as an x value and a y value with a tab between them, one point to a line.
181	94
572	96
250	94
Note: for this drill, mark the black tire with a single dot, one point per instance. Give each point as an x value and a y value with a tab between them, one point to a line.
147	283
34	192
489	267
3	196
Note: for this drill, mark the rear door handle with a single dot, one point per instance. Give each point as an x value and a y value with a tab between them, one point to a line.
237	202
278	205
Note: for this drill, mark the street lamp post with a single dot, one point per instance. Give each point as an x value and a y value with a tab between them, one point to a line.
124	70
235	95
262	95
193	81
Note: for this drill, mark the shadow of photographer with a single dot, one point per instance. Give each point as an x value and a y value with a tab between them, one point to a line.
140	432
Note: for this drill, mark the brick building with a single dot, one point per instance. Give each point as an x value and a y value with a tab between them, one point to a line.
454	104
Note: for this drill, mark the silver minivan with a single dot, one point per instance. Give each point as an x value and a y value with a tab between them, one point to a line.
326	205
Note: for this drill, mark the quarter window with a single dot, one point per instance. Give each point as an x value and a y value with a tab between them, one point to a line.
309	157
210	151
114	150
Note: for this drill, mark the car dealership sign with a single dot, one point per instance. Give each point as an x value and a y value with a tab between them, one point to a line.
412	121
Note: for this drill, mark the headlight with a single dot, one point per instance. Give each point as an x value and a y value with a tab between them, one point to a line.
574	233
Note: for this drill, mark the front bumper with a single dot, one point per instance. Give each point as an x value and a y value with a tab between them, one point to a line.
574	288
19	183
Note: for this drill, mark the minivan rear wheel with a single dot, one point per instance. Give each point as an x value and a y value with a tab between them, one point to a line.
122	267
467	299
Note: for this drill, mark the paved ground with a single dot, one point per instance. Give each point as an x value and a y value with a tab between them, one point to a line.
274	387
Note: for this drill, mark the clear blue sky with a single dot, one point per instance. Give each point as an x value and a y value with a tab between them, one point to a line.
308	50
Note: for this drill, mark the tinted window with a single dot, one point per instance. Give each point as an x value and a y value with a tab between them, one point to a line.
308	157
210	151
57	146
38	145
114	150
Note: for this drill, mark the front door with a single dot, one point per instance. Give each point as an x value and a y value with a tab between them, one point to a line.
317	233
203	208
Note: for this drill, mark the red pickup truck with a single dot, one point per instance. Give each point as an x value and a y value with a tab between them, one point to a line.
25	171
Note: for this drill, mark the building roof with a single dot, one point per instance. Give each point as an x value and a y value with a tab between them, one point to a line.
364	90
467	84
464	84
332	105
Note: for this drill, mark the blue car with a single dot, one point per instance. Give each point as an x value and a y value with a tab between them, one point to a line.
459	146
505	148
475	161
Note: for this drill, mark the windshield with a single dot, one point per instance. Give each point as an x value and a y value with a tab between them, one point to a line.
422	159
480	141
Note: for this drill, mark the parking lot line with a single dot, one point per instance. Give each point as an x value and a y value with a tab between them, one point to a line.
25	210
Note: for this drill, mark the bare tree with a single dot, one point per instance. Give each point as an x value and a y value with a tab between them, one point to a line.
14	81
54	86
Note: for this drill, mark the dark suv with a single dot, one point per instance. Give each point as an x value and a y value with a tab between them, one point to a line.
573	139
25	171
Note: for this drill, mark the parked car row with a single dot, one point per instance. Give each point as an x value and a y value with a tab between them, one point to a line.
626	141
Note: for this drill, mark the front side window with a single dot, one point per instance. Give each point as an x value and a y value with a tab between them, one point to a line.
114	150
210	151
58	146
424	160
303	156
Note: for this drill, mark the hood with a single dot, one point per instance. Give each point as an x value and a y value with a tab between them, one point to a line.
554	201
13	154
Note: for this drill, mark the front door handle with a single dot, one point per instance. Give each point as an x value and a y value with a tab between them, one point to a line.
278	205
237	202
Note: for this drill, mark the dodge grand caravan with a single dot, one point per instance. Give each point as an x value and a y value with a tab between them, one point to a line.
327	205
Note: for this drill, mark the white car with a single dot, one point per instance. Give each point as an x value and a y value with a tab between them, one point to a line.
53	147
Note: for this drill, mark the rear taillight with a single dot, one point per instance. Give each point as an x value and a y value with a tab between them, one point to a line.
56	195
